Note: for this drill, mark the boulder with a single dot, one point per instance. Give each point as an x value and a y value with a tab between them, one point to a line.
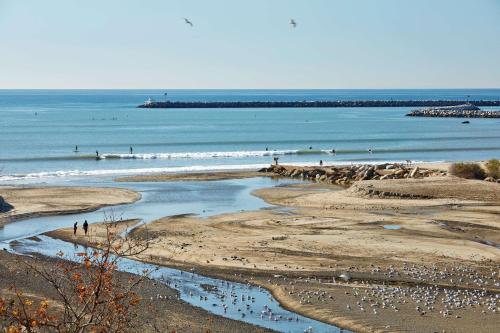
4	206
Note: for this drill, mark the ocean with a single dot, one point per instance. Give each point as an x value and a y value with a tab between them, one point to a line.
40	129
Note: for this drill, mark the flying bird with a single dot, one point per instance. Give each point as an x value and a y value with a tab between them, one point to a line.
293	23
188	22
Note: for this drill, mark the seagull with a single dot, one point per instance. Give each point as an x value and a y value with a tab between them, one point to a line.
188	22
293	23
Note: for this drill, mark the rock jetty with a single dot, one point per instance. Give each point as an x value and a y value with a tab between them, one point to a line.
310	104
346	175
456	111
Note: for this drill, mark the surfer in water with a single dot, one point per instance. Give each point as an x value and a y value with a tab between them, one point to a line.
76	149
334	152
97	155
370	150
131	150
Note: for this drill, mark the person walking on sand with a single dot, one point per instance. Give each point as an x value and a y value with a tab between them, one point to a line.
85	227
75	227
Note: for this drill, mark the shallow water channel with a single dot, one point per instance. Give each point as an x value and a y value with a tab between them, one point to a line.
237	301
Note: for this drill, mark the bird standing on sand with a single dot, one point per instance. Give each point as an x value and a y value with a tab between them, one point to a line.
293	23
187	21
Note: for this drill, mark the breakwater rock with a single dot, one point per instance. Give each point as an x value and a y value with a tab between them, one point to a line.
457	111
310	104
4	206
346	175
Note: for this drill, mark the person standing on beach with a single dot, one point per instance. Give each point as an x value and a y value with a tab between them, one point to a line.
320	162
74	228
85	227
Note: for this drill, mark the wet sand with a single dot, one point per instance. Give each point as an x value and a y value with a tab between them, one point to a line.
438	271
29	202
199	176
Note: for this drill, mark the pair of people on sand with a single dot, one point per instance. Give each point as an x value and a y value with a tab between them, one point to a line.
85	227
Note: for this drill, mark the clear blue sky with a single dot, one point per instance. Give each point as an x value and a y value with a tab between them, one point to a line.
249	44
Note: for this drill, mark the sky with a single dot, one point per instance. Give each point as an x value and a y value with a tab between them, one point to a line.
249	44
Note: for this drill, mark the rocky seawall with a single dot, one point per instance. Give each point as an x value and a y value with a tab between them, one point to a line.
346	175
452	113
311	104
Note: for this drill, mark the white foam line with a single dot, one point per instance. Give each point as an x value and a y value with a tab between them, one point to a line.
207	155
77	173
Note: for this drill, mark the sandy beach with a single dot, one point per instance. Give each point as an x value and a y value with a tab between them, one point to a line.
28	202
427	262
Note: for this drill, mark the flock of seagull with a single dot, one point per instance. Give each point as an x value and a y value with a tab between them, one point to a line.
227	296
292	22
429	290
435	291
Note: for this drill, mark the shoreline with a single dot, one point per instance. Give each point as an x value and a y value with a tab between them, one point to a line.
319	231
245	173
234	275
344	233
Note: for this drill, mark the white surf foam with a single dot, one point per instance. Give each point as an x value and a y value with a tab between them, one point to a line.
209	155
117	172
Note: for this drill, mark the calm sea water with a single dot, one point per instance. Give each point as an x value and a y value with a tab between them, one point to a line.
39	130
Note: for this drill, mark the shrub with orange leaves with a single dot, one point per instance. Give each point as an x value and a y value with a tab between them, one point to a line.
93	299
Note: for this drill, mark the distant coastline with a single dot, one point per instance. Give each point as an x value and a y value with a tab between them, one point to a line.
310	104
